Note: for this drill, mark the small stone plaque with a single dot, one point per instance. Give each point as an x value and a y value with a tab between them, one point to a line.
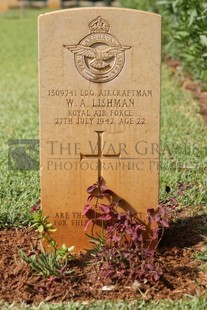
99	112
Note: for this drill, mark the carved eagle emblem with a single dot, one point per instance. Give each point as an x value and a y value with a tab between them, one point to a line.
98	56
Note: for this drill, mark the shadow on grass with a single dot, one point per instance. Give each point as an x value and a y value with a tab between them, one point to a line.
185	233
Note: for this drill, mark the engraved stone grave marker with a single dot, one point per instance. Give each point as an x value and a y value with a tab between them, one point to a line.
3	6
54	4
13	3
99	111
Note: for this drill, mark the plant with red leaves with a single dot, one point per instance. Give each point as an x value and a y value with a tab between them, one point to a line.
126	248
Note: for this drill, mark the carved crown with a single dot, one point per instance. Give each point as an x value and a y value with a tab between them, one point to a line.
99	25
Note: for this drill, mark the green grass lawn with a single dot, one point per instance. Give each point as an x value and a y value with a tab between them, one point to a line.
19	111
190	303
183	134
183	143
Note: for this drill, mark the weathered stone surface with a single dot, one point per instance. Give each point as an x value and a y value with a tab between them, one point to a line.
99	111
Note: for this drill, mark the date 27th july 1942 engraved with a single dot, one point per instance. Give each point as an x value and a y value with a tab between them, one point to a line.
98	121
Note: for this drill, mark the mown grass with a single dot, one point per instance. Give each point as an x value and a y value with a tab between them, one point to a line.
19	190
189	303
183	142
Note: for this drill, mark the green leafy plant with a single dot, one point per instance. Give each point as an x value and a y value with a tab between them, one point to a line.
187	36
43	226
184	31
47	263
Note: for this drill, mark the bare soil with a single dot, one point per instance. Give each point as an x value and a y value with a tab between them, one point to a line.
182	273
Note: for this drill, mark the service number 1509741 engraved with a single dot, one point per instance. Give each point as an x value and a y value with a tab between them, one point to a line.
61	93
